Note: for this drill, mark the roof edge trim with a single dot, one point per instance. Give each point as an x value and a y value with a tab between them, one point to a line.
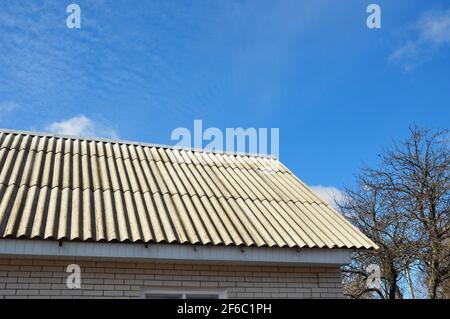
177	253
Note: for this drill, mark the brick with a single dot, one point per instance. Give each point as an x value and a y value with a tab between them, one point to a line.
252	289
71	292
128	265
328	295
105	264
60	274
50	292
153	282
86	286
30	268
201	267
134	282
51	280
327	285
121	287
8	268
183	266
113	293
44	274
232	278
209	284
18	274
166	266
63	263
169	283
40	286
8	279
295	295
16	286
164	277
57	269
111	270
125	276
335	290
145	277
21	262
59	286
191	272
303	290
191	283
92	293
85	263
134	271
7	292
97	281
93	269
104	287
26	292
136	288
244	284
28	280
43	262
132	293
113	281
319	290
143	266
104	276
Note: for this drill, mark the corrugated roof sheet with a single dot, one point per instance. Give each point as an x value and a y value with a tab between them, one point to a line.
56	187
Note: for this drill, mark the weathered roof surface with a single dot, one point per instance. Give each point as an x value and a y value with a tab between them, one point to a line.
56	187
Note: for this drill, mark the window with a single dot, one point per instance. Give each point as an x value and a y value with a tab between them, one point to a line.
184	294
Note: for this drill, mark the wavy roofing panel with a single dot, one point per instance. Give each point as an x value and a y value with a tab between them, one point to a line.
58	187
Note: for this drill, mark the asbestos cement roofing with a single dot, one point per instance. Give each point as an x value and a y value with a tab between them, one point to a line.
66	188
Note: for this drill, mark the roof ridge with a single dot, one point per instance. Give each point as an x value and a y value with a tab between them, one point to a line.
128	142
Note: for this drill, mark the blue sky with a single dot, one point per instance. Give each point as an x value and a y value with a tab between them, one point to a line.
337	90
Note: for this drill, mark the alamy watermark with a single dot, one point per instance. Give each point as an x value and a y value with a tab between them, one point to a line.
74	279
374	279
250	140
374	19
73	21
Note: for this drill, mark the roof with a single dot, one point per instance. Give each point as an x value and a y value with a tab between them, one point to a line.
68	188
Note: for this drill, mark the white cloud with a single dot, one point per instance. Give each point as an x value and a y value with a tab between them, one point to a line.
430	32
434	27
330	194
8	106
80	126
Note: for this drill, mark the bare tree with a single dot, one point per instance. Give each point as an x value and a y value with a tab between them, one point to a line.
403	205
376	212
417	171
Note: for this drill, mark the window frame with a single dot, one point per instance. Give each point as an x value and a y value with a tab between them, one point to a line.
221	293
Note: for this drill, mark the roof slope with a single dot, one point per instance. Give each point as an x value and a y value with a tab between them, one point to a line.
57	187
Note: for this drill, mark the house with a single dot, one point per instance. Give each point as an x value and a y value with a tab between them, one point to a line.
102	218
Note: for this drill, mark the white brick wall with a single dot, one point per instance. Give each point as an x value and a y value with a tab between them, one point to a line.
46	278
